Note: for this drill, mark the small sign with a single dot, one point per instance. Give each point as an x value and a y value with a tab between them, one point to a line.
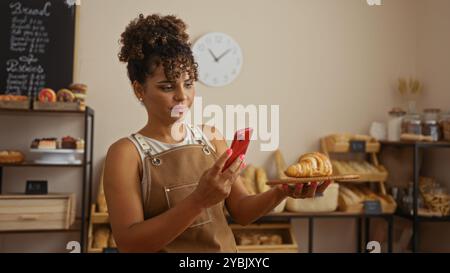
357	146
372	207
36	187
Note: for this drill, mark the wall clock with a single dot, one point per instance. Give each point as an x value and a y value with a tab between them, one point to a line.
219	59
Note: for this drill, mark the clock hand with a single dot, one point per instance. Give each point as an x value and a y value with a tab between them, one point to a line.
214	56
223	54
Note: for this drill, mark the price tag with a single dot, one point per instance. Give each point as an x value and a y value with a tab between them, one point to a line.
357	146
372	207
36	187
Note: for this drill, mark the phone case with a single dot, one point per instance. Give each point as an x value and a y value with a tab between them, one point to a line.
239	145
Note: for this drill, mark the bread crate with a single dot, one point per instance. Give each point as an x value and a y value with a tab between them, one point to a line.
37	212
259	238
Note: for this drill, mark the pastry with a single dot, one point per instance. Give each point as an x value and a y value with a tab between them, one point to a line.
261	180
311	165
68	142
65	95
11	157
79	144
47	95
258	238
50	143
101	237
35	143
281	165
44	143
13	98
79	90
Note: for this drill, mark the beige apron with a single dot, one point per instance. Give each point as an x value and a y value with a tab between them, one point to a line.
173	175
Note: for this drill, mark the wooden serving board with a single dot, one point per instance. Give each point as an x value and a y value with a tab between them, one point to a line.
291	180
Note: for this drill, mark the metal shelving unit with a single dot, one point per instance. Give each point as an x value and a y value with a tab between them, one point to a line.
81	224
287	217
415	217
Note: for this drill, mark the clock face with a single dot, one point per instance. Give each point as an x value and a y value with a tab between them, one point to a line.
219	59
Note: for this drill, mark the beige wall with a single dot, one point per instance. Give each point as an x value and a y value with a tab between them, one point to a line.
433	66
330	64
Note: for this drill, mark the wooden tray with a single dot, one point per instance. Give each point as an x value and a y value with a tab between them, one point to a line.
312	179
58	106
25	104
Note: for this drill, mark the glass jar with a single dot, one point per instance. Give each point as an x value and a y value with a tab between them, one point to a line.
412	124
395	124
445	126
431	124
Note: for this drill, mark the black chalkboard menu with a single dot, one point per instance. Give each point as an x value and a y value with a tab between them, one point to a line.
36	45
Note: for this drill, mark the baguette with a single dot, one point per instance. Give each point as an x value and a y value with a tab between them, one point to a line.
261	180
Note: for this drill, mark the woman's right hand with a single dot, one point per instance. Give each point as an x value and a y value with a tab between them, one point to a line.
214	185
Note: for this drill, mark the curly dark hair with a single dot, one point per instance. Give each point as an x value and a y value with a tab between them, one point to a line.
148	42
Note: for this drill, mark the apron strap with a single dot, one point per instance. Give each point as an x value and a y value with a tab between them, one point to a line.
200	138
142	143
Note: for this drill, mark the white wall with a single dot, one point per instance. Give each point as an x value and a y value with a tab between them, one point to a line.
331	65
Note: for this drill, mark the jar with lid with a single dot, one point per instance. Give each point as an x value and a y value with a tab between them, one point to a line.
412	124
431	124
445	125
394	124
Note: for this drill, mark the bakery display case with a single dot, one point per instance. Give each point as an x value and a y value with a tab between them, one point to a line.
66	220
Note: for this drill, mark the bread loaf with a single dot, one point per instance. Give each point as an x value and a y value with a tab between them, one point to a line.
261	180
101	236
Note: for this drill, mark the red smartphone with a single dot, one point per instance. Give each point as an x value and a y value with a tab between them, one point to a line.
239	145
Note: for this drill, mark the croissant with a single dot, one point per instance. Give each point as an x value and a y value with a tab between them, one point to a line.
310	165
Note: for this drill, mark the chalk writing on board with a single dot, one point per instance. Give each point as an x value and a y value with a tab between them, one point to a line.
29	37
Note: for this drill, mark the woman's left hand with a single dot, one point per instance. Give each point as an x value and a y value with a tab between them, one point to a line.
306	190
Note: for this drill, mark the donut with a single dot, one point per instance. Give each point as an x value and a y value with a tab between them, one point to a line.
47	95
65	95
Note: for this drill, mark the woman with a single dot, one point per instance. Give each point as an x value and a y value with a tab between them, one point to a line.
169	195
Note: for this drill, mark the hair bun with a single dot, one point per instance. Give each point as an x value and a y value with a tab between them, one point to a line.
150	32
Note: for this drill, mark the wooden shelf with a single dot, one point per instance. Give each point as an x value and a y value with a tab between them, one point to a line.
437	144
288	216
423	218
32	164
344	147
88	111
76	227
